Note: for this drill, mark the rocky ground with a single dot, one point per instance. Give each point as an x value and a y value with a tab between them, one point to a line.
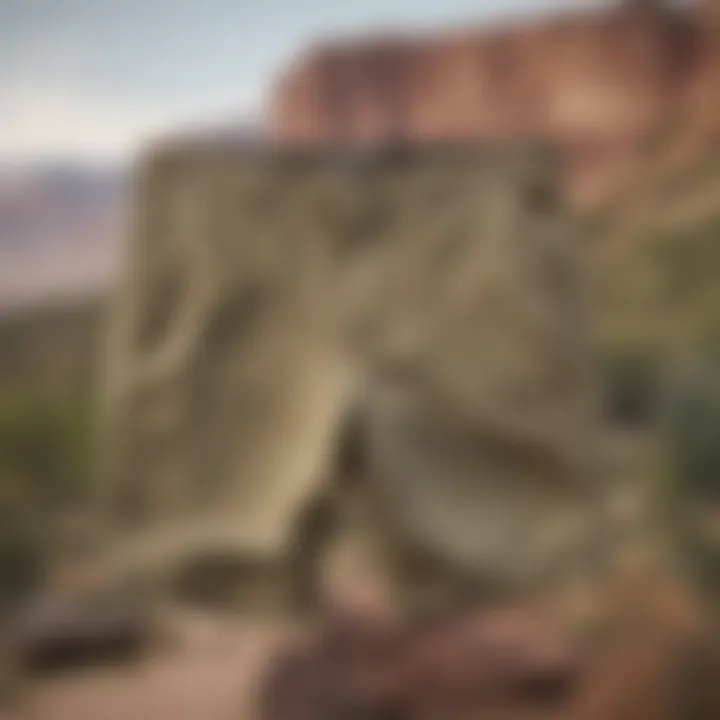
210	674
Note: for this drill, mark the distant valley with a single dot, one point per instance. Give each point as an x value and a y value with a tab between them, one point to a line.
61	228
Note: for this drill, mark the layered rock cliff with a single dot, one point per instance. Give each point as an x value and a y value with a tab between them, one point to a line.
602	83
274	302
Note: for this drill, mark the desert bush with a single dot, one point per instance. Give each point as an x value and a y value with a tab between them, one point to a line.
45	446
691	435
630	380
23	554
45	455
689	261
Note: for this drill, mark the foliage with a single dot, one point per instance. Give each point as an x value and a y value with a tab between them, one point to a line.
630	380
691	434
689	261
23	553
45	455
44	447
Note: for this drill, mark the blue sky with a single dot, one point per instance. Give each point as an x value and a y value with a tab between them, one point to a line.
93	78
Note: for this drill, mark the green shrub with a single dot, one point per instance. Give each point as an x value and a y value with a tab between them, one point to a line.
691	433
23	553
689	261
45	455
630	380
45	446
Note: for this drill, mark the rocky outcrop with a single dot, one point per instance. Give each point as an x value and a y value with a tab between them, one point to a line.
496	663
424	304
600	82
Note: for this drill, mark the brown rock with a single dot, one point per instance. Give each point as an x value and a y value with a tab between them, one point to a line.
455	665
59	636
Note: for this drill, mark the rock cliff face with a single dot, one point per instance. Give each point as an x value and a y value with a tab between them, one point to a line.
274	301
600	82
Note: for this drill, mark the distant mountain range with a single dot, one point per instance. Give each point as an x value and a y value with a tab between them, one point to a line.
60	230
62	223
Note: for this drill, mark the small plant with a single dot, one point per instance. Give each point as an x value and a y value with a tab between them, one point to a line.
23	552
45	446
689	261
691	430
630	385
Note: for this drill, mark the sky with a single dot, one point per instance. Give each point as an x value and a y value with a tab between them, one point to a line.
92	80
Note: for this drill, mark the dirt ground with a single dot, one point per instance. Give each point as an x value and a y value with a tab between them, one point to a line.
209	673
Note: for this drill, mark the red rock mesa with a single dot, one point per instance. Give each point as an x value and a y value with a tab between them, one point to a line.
600	82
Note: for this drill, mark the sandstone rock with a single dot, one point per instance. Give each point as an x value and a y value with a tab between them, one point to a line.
601	83
425	303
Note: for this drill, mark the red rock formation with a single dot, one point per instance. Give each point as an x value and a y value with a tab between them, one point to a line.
488	663
600	82
502	663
